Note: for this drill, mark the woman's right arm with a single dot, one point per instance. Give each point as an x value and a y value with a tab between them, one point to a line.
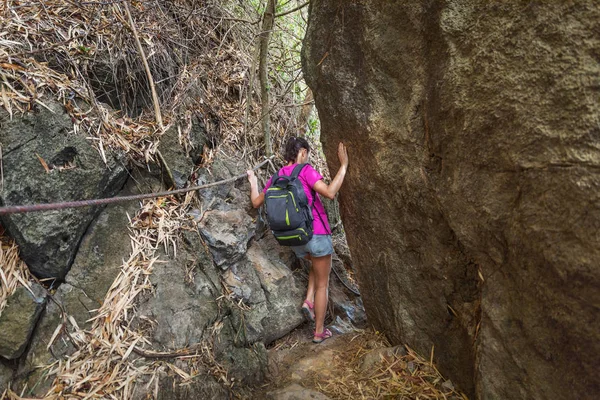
331	190
257	198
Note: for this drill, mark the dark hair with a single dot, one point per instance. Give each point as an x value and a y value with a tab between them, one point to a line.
293	147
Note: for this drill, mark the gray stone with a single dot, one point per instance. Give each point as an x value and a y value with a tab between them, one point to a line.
472	131
296	392
220	169
183	303
6	375
346	303
198	139
283	293
32	368
341	325
269	288
245	364
169	387
227	234
101	253
48	244
226	226
181	160
18	320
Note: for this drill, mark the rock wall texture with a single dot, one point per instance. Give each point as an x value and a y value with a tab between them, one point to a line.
474	142
223	280
76	171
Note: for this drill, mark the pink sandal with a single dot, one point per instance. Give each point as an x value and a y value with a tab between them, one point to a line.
307	310
320	337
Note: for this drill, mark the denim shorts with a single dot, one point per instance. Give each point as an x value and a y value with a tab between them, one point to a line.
319	246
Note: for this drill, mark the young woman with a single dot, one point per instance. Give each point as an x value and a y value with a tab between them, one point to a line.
320	247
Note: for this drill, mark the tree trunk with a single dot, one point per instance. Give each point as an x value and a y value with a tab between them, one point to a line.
265	35
305	111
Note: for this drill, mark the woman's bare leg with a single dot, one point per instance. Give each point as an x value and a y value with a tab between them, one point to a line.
321	266
310	291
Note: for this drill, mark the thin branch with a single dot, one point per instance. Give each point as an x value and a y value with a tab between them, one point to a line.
292	10
265	35
147	67
250	91
230	19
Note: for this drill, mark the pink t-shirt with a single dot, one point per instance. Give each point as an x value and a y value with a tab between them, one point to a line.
309	176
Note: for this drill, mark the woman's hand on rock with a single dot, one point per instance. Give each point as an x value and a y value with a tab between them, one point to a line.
343	154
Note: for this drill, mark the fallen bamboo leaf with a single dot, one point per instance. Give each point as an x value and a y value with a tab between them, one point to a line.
46	168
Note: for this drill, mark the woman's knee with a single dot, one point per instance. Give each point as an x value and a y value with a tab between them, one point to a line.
322	285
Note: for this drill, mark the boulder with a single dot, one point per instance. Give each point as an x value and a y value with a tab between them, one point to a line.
19	318
344	295
168	386
183	304
472	131
31	373
245	364
225	226
44	162
269	288
102	251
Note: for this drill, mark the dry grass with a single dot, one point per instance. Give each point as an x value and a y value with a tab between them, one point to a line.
407	376
45	47
84	55
13	271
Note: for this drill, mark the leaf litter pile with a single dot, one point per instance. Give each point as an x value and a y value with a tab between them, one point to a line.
13	271
356	365
400	373
84	55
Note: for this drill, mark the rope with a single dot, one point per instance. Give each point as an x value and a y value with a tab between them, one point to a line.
111	200
356	292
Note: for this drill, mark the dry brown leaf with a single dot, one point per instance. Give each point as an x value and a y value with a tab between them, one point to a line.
46	168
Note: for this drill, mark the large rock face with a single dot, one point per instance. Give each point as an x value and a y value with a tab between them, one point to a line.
76	171
217	286
474	143
97	263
